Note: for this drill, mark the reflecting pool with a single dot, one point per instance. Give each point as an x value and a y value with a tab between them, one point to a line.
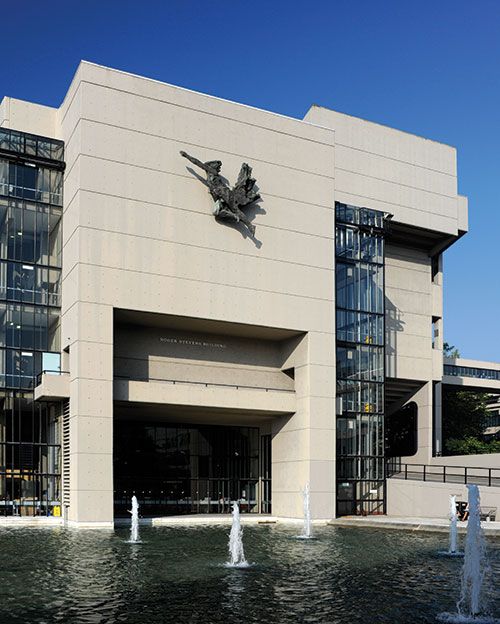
178	575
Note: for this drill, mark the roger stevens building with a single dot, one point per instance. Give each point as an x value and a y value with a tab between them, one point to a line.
204	302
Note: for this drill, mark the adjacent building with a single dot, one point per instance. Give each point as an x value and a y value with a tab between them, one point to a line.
151	348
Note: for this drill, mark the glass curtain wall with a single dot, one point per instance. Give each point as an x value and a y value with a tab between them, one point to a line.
31	180
359	254
182	469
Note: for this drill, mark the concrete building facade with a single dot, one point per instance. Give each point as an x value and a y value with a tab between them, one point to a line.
177	331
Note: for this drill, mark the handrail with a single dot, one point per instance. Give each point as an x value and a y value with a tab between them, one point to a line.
203	383
442	473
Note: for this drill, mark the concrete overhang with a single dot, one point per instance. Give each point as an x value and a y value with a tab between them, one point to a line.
199	396
431	241
52	387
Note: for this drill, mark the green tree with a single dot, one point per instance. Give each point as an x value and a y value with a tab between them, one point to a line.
450	351
465	417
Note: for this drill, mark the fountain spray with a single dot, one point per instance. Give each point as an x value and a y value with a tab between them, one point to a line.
453	525
235	546
473	569
307	531
134	529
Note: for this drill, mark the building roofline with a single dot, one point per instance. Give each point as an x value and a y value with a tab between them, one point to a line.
377	123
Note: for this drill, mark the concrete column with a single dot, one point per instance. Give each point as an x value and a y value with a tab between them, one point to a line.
303	446
89	328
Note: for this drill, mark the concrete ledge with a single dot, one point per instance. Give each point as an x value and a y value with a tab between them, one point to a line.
215	519
435	525
71	524
257	400
29	521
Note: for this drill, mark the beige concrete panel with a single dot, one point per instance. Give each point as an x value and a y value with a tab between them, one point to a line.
187	262
52	387
204	373
319	381
91	471
197	395
311	413
192	232
463	213
172	128
431	500
88	322
322	346
289	476
418	263
91	435
437	365
437	300
91	397
417	281
73	145
396	171
175	222
202	300
375	138
72	185
398	194
287	504
29	117
72	250
185	98
323	475
407	300
161	187
291	446
402	322
416	346
323	505
91	360
190	347
91	506
322	444
408	367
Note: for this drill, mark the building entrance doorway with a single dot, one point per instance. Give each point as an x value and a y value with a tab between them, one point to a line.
190	469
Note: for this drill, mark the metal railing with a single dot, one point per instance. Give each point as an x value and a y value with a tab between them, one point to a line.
396	469
206	384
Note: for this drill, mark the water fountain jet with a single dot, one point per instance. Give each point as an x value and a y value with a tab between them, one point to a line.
134	528
471	607
307	530
452	549
235	546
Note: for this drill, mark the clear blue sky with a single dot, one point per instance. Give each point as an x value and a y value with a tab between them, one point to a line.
427	67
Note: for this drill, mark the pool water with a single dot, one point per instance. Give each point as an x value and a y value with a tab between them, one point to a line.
178	575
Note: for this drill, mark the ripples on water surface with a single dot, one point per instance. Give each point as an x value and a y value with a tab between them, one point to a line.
177	575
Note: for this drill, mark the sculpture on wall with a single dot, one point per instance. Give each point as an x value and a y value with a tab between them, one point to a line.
229	201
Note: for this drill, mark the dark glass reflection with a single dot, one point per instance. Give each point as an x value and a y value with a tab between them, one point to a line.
179	469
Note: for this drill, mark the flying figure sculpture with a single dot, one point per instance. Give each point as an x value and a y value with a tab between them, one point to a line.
229	201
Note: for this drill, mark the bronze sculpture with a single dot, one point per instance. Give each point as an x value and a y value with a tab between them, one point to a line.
229	201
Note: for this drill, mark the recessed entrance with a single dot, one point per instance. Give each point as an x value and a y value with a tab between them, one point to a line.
190	469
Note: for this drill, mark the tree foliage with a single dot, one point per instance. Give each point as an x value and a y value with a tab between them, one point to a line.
464	419
450	351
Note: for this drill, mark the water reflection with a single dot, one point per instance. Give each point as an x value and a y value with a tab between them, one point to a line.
178	575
